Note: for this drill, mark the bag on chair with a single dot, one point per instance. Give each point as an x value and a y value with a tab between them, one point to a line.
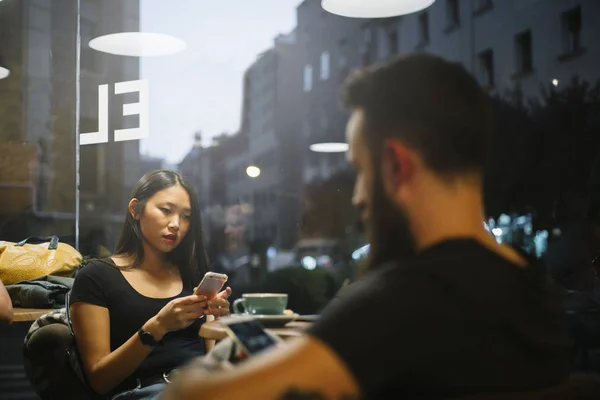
51	360
36	257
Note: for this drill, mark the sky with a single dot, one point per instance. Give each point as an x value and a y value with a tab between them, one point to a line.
200	89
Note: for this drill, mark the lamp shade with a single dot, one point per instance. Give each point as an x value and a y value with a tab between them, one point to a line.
374	8
138	44
331	147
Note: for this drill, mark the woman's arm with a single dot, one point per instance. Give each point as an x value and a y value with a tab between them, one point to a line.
105	370
6	309
91	323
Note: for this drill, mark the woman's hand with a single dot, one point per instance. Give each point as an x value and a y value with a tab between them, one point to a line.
219	306
177	314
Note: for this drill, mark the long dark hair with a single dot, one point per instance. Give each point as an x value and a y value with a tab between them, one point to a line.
190	256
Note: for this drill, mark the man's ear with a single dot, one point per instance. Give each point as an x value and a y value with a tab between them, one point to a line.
397	166
133	208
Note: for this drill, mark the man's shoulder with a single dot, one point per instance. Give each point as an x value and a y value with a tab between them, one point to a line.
392	281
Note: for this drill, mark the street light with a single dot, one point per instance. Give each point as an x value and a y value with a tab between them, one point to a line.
253	171
138	44
374	8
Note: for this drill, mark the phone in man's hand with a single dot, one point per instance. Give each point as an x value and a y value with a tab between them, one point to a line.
211	285
249	335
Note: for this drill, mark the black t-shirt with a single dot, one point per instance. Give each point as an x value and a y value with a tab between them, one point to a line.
455	320
102	284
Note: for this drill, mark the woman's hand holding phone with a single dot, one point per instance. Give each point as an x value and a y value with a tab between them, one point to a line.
219	306
210	285
176	315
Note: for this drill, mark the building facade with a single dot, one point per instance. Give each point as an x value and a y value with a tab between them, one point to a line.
270	125
38	41
507	45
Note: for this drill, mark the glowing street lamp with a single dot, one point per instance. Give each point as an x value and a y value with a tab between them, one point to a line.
374	8
253	171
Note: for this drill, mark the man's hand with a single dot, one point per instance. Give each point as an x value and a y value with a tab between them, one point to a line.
304	366
210	364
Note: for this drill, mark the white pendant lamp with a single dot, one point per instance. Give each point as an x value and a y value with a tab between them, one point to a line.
331	147
374	8
138	44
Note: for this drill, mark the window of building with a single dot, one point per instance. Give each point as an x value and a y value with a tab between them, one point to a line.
89	57
423	28
481	6
452	13
393	42
571	30
524	52
367	36
486	68
89	159
325	66
308	78
365	58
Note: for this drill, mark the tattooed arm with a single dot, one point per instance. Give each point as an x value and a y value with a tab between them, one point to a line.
304	369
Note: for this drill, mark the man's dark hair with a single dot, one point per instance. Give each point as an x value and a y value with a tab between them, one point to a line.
432	105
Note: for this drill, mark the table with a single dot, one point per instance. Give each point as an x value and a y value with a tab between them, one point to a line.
28	314
214	330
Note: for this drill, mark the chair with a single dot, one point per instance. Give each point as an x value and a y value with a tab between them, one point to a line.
582	314
46	361
52	363
577	387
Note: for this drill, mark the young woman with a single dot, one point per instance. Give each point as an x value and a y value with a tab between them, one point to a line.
134	314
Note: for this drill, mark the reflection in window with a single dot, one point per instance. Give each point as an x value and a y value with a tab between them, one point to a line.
523	50
308	78
392	42
571	30
423	28
452	13
367	35
324	65
366	59
89	175
486	68
481	6
89	57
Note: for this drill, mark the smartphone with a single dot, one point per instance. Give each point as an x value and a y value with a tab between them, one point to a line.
211	285
250	336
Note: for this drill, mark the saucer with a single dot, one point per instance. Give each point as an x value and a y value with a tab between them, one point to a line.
269	321
308	318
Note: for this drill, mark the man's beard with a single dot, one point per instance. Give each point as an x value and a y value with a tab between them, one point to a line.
389	231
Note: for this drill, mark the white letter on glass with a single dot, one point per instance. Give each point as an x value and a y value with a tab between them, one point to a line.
141	108
102	135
